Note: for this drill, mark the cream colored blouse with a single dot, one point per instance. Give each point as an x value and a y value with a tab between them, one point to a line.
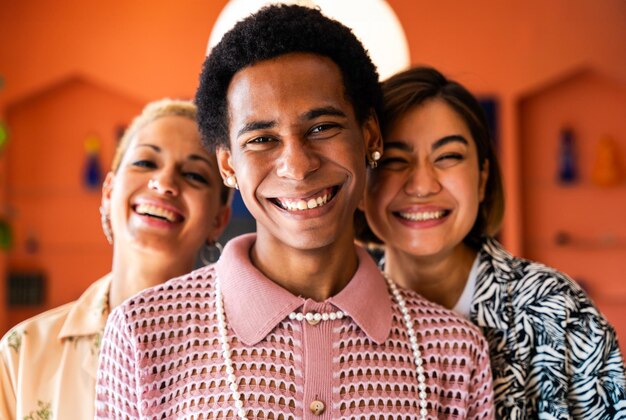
49	362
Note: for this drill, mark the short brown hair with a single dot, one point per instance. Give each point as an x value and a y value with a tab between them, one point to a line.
410	88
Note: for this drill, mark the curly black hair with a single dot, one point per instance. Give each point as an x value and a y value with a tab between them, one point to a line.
271	32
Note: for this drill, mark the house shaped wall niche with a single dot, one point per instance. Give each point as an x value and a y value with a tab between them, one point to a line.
54	218
576	227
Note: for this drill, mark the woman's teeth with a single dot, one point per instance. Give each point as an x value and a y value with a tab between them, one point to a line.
155	211
311	203
422	216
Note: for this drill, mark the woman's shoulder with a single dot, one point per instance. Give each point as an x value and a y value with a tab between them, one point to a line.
500	265
42	329
531	284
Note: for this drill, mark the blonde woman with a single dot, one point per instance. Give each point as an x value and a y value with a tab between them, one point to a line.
162	201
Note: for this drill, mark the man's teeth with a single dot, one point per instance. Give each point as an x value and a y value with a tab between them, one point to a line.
311	203
422	216
151	210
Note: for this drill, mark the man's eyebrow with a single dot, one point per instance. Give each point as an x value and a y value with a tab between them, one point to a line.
323	111
256	125
309	115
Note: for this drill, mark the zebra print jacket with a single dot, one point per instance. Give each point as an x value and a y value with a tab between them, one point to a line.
553	354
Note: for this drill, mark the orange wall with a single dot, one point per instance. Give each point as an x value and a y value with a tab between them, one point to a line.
50	203
149	49
576	227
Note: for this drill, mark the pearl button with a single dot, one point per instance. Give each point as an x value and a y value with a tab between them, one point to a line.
317	407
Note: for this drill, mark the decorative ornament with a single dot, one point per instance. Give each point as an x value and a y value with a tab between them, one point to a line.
6	236
231	181
607	170
373	162
92	171
568	170
4	135
211	252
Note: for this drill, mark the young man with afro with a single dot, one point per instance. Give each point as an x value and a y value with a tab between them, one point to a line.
294	321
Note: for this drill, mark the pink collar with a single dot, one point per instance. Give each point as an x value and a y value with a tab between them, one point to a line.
254	304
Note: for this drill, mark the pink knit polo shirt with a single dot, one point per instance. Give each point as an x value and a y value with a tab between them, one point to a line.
161	355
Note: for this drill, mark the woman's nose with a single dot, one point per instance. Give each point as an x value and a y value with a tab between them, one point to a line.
164	183
423	181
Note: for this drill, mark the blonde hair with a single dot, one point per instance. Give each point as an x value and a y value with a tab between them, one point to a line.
152	111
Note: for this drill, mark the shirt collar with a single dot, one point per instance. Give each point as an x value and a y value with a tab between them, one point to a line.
254	304
492	304
89	313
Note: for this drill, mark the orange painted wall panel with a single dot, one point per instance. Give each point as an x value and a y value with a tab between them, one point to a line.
576	227
54	215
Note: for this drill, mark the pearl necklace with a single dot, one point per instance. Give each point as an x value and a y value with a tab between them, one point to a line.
314	318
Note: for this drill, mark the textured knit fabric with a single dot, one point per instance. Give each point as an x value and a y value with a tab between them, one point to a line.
553	354
161	355
49	362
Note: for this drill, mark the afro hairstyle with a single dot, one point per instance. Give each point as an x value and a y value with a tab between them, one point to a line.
271	32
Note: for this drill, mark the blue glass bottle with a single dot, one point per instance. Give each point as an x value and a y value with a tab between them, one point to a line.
568	171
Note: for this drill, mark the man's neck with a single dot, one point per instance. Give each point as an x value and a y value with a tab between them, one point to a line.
316	274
